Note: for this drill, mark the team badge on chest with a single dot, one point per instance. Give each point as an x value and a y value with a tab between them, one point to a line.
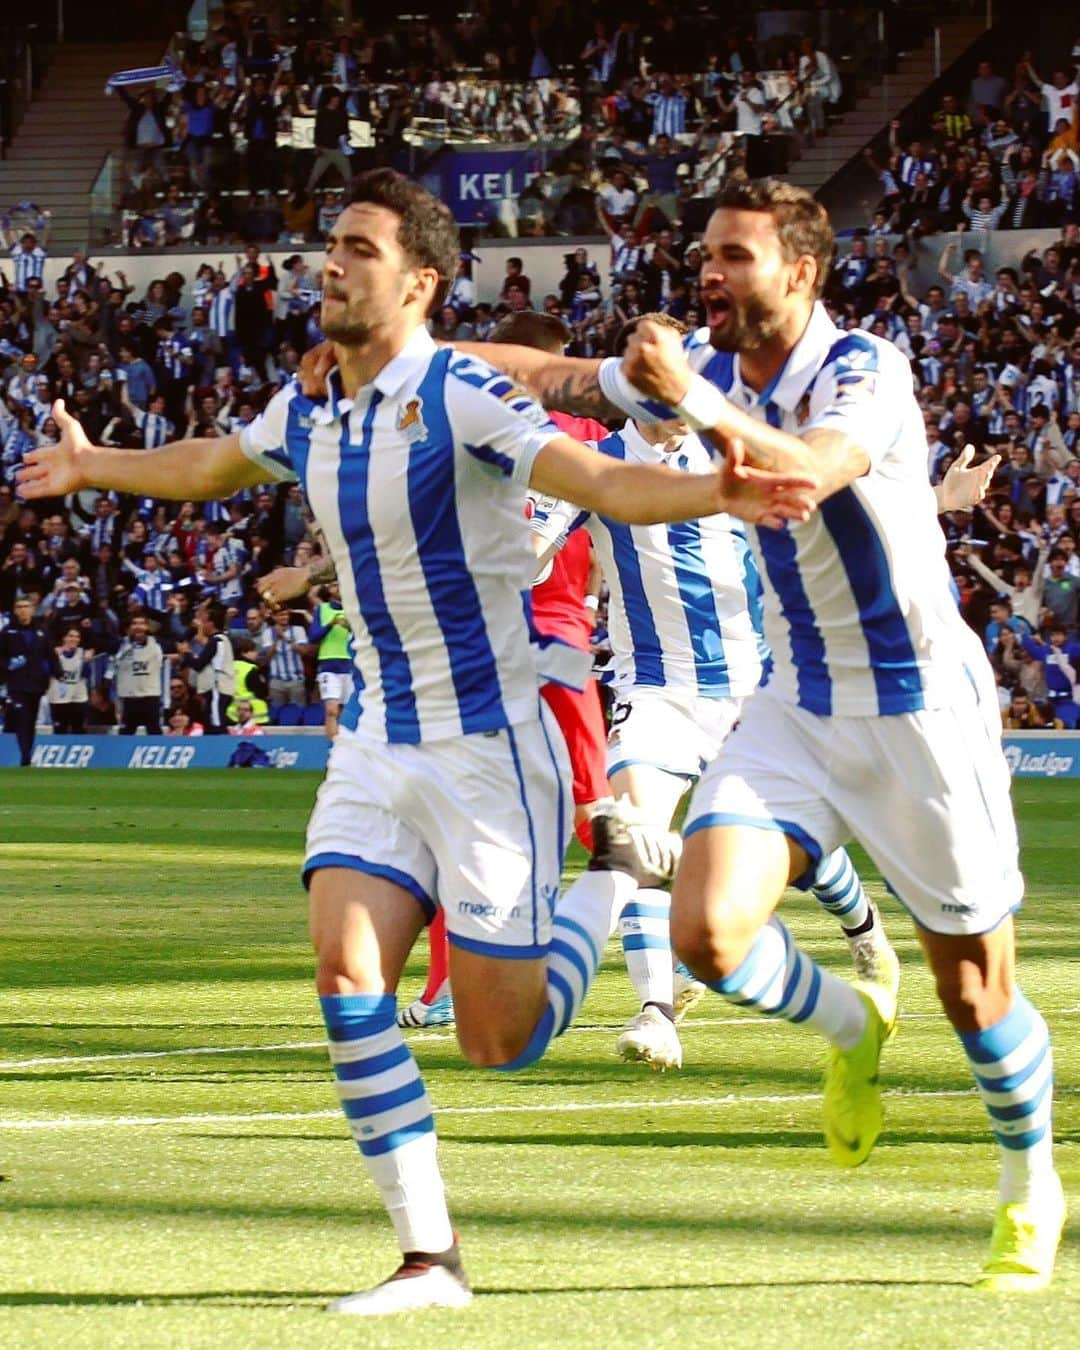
410	420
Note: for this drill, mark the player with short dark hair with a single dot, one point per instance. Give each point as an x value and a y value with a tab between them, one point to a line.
446	776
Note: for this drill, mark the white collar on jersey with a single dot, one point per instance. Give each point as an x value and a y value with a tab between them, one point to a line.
802	364
647	453
416	353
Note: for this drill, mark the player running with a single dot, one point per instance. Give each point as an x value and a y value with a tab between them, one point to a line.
445	776
879	720
685	628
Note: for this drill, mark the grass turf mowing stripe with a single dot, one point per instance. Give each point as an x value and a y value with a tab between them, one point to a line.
541	1108
52	1061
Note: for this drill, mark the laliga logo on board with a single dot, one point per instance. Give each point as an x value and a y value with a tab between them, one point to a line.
1013	756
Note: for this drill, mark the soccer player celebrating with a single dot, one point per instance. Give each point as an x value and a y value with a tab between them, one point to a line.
445	776
879	719
685	626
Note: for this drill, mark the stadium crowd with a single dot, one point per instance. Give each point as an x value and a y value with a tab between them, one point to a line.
135	598
1002	154
240	145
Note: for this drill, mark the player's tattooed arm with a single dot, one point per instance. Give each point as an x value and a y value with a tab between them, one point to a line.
287	583
568	383
321	570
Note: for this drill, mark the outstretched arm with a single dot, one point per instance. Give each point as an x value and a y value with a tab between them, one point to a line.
198	469
568	383
648	494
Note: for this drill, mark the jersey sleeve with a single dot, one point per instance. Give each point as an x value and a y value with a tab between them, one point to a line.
861	392
264	440
553	519
494	421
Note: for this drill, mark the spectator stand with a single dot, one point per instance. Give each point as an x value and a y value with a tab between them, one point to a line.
537	122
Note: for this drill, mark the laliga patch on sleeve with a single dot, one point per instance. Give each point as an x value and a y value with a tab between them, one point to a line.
854	388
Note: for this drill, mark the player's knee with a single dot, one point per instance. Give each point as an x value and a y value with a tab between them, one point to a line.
712	947
335	975
490	1047
973	1000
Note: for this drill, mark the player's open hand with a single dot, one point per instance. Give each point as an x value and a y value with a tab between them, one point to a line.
964	486
656	364
762	496
284	583
55	470
315	367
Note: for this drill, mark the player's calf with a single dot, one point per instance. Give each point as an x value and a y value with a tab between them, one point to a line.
1007	1044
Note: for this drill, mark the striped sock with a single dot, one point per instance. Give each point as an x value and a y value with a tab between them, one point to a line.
389	1115
1014	1070
779	979
583	922
837	888
645	931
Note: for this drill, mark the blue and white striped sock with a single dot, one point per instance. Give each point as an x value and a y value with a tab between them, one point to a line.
583	922
1014	1069
837	889
779	979
389	1115
645	931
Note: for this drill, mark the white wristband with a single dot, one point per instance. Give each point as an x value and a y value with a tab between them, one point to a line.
592	602
702	407
618	390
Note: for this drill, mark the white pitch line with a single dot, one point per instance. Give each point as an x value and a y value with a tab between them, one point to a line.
48	1061
45	1061
544	1108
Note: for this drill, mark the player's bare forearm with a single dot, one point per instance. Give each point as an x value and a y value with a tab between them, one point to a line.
650	494
567	383
829	456
286	583
637	494
201	469
321	571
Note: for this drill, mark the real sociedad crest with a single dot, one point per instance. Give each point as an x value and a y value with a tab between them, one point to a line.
410	420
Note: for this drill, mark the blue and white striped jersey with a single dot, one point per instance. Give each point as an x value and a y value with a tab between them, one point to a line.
221	314
285	662
151	587
174	356
685	608
669	114
418	485
27	265
231	554
156	429
857	608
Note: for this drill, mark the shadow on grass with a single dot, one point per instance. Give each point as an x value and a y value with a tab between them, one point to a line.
714	1224
283	1297
648	1137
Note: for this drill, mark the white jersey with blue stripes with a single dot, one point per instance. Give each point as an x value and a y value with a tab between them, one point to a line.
685	608
418	484
857	607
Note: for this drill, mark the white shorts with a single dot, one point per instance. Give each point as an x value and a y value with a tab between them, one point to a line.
669	729
478	824
335	686
927	794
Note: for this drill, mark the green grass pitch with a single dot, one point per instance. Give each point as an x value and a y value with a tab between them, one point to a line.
155	987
